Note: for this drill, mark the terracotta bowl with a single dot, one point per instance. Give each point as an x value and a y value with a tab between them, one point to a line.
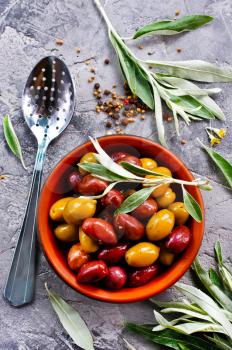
55	188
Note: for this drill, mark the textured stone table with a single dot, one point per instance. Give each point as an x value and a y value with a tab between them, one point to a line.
28	29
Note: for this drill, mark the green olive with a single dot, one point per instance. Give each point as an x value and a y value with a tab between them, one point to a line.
66	232
167	198
142	254
57	209
79	209
148	163
160	225
181	214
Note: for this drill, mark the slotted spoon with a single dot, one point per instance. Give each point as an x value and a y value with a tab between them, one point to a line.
48	106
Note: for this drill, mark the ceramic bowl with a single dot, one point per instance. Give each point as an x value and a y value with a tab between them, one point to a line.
55	188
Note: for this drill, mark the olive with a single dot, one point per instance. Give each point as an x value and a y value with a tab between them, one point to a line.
87	243
132	160
143	275
160	225
107	214
167	198
79	209
178	240
113	197
142	254
73	180
66	233
116	278
100	230
77	257
145	210
181	214
118	156
128	227
161	189
92	271
166	258
57	209
87	158
90	185
112	255
148	163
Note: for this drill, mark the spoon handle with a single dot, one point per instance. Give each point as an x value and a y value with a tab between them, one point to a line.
19	289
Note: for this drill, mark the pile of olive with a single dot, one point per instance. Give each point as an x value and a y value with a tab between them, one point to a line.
124	249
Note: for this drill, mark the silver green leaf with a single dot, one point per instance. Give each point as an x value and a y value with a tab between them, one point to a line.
224	165
134	73
216	292
134	200
207	304
71	321
225	273
12	139
169	27
189	88
101	171
139	170
192	206
194	70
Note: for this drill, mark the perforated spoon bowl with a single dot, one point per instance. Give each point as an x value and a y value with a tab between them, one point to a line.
48	106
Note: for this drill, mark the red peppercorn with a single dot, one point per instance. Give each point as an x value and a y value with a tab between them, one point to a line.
126	101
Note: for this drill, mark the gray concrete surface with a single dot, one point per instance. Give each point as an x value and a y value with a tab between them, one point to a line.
28	29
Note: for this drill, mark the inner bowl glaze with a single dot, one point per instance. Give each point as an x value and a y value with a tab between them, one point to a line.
55	188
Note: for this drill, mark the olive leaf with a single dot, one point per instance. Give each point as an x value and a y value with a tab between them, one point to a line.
171	27
139	170
71	321
224	165
12	139
134	75
215	279
171	338
189	88
225	273
194	70
207	304
100	171
134	200
213	289
192	206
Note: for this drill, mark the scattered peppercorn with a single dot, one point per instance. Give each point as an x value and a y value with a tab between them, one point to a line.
106	92
59	42
183	142
178	50
177	12
96	86
108	124
107	61
116	106
140	47
78	50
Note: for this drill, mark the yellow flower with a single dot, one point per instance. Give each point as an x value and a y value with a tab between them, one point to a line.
214	140
221	133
